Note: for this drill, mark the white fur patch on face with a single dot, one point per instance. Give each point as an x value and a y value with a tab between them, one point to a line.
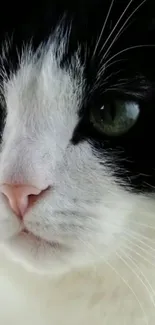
76	218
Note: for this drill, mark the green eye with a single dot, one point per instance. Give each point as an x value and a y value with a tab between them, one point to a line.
116	118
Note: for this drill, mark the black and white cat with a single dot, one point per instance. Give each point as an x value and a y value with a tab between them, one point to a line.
77	166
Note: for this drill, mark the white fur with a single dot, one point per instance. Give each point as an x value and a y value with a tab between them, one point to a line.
95	264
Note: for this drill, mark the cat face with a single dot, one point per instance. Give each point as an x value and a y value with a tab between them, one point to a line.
77	118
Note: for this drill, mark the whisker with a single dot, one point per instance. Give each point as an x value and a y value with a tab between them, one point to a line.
125	28
113	89
103	28
89	246
141	248
101	70
140	241
131	233
118	85
138	254
111	75
142	236
126	8
130	288
121	29
128	49
134	260
134	272
142	224
101	84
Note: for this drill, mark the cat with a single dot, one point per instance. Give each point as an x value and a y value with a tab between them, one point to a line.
77	166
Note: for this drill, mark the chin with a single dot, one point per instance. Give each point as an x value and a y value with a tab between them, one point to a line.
47	258
36	255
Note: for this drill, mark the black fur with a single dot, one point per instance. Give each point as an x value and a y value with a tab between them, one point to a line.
132	155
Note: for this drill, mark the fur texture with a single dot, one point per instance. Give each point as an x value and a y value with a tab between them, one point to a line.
89	256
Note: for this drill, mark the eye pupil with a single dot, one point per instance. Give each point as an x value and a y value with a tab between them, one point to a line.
112	111
115	118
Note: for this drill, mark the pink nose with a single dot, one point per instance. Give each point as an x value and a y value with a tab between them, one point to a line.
20	197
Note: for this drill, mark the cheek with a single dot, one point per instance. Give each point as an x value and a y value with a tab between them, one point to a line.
80	173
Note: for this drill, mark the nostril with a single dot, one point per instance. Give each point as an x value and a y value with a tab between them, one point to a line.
21	197
32	198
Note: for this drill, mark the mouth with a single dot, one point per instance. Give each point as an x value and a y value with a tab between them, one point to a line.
32	236
28	233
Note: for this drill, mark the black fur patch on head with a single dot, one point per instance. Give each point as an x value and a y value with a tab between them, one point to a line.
117	49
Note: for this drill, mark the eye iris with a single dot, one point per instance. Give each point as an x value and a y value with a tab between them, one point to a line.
116	118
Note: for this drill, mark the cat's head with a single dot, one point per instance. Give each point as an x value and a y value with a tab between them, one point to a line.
77	125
